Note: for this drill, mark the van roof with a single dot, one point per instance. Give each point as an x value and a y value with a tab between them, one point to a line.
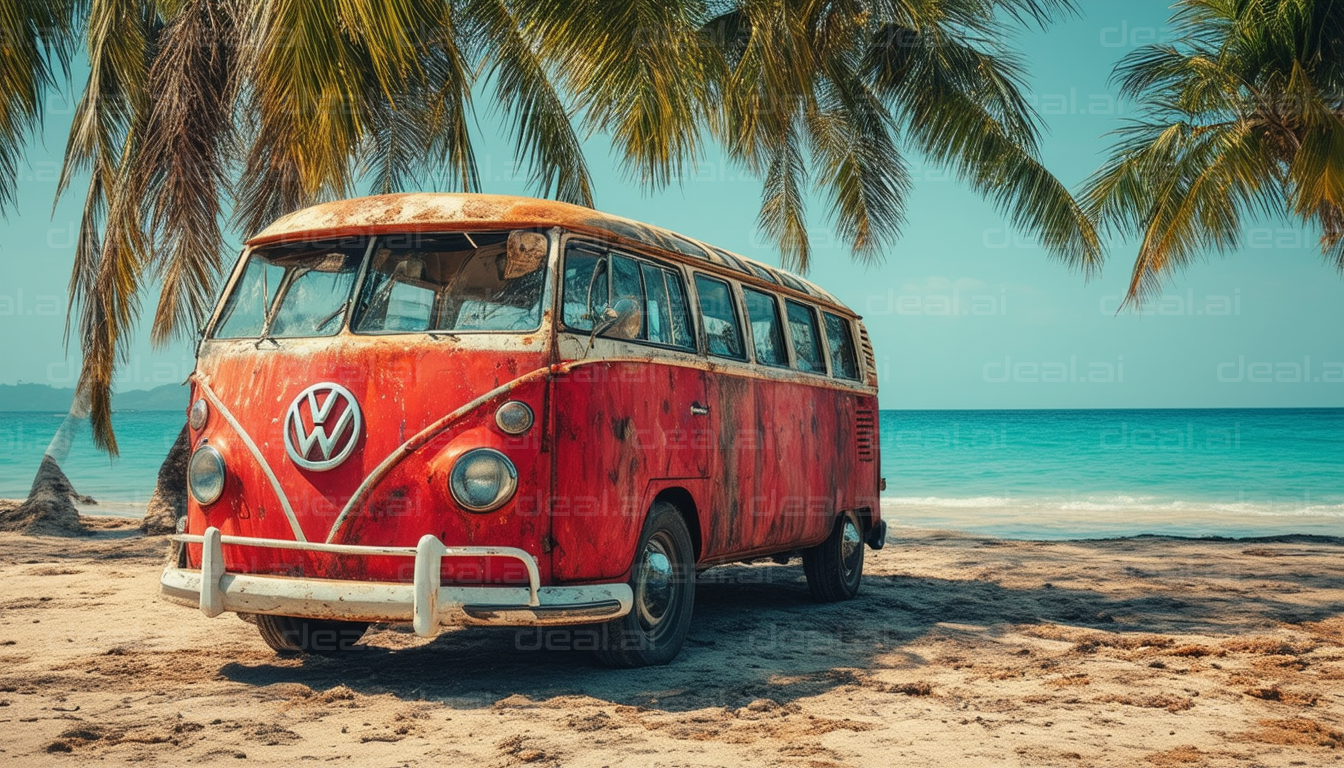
426	211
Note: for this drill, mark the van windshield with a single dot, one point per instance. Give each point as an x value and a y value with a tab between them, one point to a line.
414	283
293	291
454	282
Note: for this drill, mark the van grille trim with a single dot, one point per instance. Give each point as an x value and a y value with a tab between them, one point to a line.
424	436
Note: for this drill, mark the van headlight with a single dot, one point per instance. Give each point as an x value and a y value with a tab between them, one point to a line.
205	475
482	480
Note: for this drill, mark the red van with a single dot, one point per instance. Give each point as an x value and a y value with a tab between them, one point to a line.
466	409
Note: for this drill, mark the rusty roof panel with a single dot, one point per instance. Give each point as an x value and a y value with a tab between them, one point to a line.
425	211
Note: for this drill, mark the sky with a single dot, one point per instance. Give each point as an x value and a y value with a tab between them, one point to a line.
964	312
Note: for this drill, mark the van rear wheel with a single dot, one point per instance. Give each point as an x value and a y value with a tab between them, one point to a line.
834	568
293	634
663	580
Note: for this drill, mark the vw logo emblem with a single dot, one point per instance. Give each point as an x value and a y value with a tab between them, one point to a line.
322	427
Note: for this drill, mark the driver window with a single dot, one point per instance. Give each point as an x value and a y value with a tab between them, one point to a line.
653	296
627	297
586	295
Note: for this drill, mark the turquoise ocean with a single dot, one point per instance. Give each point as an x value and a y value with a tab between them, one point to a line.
1020	474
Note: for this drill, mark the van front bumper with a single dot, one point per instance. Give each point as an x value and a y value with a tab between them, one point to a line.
424	603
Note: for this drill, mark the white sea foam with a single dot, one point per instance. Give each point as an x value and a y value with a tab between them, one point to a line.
1113	515
105	508
1116	504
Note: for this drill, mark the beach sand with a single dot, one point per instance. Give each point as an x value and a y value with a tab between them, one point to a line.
960	651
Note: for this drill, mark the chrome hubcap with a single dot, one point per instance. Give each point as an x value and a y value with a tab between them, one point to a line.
851	548
655	583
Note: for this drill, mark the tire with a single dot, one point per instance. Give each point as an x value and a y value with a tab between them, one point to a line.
663	580
292	634
834	568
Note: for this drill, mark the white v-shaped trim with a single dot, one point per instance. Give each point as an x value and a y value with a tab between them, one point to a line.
256	454
424	436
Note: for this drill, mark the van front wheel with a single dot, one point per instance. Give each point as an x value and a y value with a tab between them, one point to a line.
663	580
834	568
292	634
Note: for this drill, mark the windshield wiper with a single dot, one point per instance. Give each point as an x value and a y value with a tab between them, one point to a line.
345	305
280	290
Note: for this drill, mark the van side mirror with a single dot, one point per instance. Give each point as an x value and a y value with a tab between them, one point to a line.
525	253
621	321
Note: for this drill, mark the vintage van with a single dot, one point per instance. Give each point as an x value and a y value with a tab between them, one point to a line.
452	409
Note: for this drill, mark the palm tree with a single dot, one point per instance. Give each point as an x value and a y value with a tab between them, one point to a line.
37	40
197	106
270	106
1244	118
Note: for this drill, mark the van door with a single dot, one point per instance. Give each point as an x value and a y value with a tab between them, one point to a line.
630	413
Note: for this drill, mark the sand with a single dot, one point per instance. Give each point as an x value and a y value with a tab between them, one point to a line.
960	651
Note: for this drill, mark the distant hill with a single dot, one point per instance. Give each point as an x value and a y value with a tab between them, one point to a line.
44	397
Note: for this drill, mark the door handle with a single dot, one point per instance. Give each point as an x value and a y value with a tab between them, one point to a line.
699	410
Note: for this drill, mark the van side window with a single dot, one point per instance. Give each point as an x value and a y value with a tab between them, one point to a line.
766	333
625	284
844	365
657	327
665	318
683	333
716	308
806	338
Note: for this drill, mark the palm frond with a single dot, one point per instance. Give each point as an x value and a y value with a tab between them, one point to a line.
783	215
1243	115
449	79
37	38
943	109
859	164
399	139
1199	204
303	98
543	131
103	140
182	168
637	68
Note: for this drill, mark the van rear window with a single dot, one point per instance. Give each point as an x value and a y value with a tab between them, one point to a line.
844	364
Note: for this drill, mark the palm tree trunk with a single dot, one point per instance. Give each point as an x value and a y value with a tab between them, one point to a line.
50	506
169	502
